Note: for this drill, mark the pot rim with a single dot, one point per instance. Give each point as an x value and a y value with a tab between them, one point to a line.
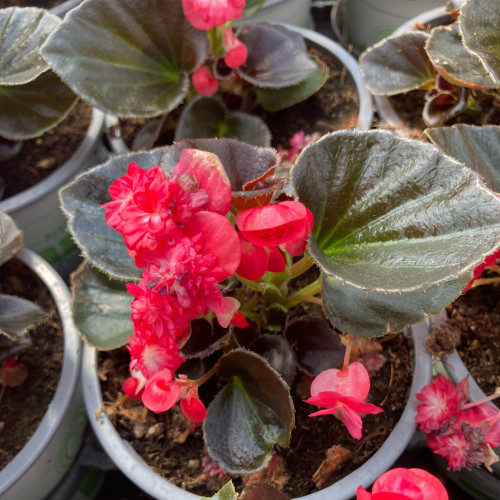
386	111
62	174
132	465
365	114
68	378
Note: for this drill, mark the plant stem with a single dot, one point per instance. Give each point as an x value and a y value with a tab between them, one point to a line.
495	395
253	285
347	351
301	266
206	376
308	291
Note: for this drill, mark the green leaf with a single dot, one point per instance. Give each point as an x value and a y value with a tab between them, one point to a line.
278	352
81	202
397	64
11	237
479	25
101	308
29	110
315	344
252	413
451	59
276	56
207	117
206	336
18	316
476	147
22	33
126	57
278	99
392	214
227	492
252	7
370	314
443	102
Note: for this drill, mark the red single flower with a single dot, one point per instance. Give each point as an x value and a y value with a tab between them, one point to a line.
204	82
405	484
161	392
490	260
273	225
343	391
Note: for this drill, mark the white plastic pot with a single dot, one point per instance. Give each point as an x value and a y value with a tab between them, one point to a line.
36	209
385	110
364	22
42	463
365	113
130	463
477	482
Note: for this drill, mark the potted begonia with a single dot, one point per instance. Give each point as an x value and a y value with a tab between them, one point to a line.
33	102
184	58
52	445
456	65
208	239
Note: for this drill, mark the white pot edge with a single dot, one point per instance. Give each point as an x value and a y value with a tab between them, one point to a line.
131	464
63	173
67	385
365	114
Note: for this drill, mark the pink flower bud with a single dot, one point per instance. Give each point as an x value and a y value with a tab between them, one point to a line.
204	82
236	56
192	407
207	14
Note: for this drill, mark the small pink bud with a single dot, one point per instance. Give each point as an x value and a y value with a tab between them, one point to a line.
236	56
204	82
192	407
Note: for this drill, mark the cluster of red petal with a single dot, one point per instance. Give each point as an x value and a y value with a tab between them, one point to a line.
343	391
207	14
463	435
404	484
177	230
263	229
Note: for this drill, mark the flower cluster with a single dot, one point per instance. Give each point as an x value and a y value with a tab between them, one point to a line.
216	14
177	230
461	432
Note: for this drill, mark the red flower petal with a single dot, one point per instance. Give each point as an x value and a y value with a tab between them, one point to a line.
161	392
193	409
204	82
273	225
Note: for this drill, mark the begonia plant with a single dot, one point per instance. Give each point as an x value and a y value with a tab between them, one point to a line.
33	99
199	252
143	59
457	64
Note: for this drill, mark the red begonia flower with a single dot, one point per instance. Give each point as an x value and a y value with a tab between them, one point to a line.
273	225
490	260
192	407
207	14
204	82
299	245
210	175
441	400
161	392
275	260
214	234
343	391
405	484
132	388
239	320
254	260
